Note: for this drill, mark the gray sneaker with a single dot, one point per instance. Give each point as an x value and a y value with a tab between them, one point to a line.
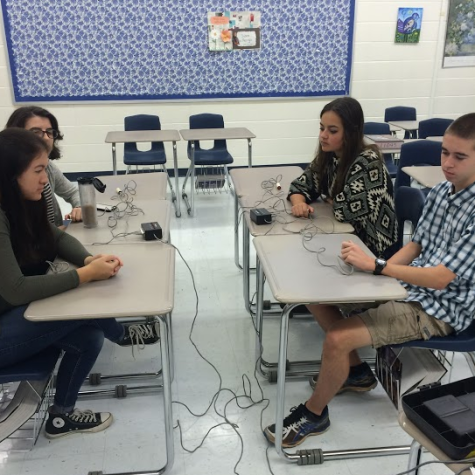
361	382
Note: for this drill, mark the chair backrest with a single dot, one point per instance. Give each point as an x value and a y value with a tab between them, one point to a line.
208	121
142	122
399	113
409	203
419	153
376	128
433	127
381	128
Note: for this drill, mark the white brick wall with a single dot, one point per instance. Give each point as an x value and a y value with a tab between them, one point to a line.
384	74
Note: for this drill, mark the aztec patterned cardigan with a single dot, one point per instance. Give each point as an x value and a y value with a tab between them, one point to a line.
366	201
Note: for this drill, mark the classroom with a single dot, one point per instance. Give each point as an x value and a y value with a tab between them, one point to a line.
237	260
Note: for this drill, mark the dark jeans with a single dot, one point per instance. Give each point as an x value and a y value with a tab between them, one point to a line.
81	341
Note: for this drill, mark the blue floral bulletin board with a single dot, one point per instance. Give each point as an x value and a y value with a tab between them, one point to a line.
88	50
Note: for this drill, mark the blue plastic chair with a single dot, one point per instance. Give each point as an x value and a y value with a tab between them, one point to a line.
215	156
419	153
380	128
409	203
398	113
33	395
433	127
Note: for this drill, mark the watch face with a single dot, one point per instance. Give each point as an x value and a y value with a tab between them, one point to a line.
380	262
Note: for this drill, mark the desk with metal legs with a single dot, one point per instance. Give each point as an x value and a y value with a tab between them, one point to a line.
295	276
126	229
147	186
323	221
227	133
421	441
149	136
138	290
427	176
412	126
247	182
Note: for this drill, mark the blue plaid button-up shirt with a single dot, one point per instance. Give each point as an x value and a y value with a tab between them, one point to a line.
446	233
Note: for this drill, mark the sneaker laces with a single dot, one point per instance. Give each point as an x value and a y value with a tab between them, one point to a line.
139	333
86	416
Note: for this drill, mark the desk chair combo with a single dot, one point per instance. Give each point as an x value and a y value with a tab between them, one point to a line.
402	113
379	128
433	127
155	156
213	162
418	153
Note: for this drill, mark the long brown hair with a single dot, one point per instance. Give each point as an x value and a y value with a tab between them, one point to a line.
30	232
351	115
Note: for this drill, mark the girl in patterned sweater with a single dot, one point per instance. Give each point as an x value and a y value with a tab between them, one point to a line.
350	176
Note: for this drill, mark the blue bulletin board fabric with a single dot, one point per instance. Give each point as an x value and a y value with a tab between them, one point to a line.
83	50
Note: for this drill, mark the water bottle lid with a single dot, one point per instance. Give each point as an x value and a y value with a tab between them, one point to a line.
87	180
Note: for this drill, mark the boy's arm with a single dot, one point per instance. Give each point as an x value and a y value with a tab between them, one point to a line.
406	254
437	277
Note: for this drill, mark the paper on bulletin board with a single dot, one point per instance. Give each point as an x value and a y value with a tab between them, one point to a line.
234	30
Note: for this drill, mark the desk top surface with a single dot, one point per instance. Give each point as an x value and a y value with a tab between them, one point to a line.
285	223
159	211
148	186
296	276
428	176
436	138
144	287
248	181
123	136
217	134
405	124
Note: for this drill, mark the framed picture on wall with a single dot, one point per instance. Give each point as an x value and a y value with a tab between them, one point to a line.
459	47
408	28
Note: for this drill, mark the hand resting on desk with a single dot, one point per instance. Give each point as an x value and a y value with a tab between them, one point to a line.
99	267
300	208
354	255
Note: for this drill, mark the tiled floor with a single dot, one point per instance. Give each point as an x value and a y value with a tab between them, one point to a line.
224	334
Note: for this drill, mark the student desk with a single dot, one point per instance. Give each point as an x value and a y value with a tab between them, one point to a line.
148	136
227	133
148	275
427	176
295	276
323	220
248	182
148	186
421	440
412	126
159	211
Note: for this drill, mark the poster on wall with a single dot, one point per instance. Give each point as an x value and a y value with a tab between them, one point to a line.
229	31
460	35
408	29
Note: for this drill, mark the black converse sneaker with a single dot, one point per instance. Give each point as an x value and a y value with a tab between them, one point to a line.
59	425
140	335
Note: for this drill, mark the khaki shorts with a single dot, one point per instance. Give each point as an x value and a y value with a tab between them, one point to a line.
393	322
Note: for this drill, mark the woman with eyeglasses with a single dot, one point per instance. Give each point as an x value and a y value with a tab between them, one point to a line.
44	124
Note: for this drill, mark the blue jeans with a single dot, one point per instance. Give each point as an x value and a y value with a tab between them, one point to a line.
81	340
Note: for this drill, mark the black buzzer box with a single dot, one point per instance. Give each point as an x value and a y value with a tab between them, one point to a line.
446	415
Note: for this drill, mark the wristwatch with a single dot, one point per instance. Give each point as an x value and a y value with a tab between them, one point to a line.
380	264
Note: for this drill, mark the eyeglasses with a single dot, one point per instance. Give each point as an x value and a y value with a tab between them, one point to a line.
51	133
